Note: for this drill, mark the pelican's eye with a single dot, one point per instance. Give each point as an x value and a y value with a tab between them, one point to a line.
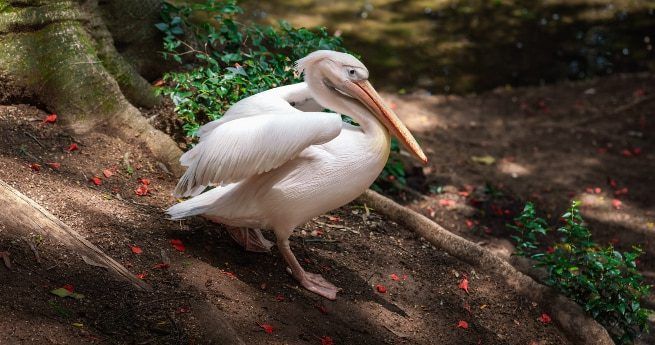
352	72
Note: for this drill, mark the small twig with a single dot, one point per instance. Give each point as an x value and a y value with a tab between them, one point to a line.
34	138
410	191
23	151
6	259
336	226
318	240
165	259
399	335
163	167
616	111
34	250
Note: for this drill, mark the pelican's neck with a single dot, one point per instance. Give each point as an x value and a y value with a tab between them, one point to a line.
331	99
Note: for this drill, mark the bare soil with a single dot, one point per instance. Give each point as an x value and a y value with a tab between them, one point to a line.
352	247
590	141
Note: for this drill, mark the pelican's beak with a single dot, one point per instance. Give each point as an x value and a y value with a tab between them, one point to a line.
365	93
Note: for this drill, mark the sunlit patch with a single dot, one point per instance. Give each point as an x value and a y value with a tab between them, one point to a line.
513	169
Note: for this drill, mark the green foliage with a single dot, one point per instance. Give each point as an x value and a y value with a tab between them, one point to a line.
530	226
226	60
603	280
394	170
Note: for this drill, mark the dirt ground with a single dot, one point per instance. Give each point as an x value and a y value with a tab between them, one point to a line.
537	157
355	250
590	141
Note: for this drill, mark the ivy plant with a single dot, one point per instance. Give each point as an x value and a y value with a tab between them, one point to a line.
603	280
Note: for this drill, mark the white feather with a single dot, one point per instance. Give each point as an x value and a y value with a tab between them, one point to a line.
252	145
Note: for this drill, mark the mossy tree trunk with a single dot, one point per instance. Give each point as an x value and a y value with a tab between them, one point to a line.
62	55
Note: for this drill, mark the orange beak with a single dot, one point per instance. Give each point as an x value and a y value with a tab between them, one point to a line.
365	93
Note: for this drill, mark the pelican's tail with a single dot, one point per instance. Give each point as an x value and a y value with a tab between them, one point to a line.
197	205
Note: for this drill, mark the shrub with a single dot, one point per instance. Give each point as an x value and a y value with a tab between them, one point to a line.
225	60
604	281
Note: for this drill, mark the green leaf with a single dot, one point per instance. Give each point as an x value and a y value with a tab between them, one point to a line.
162	26
485	160
77	296
61	292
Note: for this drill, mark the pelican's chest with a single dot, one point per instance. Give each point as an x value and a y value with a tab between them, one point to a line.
355	162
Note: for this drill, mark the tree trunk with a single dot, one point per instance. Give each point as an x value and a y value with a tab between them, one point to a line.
62	56
22	217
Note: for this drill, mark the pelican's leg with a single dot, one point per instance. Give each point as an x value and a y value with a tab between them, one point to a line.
310	281
251	239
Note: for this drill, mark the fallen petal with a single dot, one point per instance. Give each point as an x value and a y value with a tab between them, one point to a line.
464	284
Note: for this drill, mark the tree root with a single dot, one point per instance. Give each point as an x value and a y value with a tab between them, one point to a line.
569	316
89	84
22	216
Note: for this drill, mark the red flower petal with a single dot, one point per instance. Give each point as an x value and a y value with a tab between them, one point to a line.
96	180
183	310
136	250
446	202
144	181
322	309
621	191
464	284
69	287
617	204
470	224
161	266
381	288
334	218
462	324
142	275
142	190
544	318
267	328
35	167
325	340
54	166
230	274
52	118
178	245
107	173
394	276
72	147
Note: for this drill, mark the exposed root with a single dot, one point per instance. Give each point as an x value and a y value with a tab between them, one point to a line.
22	216
569	316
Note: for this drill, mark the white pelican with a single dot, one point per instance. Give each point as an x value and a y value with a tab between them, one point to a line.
277	166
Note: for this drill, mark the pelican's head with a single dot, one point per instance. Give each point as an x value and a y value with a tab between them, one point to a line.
344	78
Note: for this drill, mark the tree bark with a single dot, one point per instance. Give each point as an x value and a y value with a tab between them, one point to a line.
22	217
62	56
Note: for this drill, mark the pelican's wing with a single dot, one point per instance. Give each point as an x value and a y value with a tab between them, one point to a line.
280	100
248	146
